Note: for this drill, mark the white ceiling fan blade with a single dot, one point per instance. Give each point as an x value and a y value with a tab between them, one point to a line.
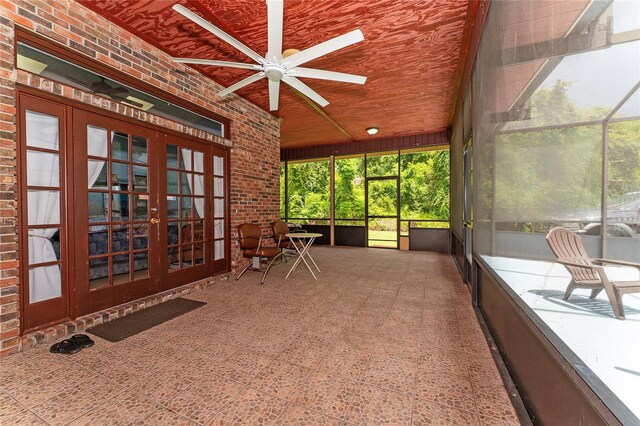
327	75
305	90
216	63
274	20
323	48
218	32
241	84
274	95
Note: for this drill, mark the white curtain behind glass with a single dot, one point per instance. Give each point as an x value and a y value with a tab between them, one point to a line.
197	187
43	206
97	146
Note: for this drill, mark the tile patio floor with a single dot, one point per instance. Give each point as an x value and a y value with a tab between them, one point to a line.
383	337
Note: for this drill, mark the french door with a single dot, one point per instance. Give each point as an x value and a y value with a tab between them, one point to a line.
148	221
116	216
112	211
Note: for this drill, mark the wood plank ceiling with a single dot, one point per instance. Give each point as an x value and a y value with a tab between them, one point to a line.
410	55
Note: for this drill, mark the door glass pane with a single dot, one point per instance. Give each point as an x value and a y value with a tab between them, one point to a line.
198	184
121	269
43	169
172	182
172	156
120	238
119	146
173	254
98	272
186	233
218	208
98	240
97	141
120	176
172	233
198	254
198	162
43	207
140	236
198	230
187	183
198	204
138	149
218	166
185	164
44	245
140	178
219	249
42	130
119	207
172	207
186	207
187	256
97	174
383	197
218	228
140	265
45	282
140	207
218	187
98	207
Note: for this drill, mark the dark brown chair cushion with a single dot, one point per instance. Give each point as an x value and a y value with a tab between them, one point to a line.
263	252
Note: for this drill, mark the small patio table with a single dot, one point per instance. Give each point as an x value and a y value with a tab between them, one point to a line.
302	242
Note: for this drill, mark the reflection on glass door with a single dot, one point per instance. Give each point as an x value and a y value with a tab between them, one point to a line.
118	215
382	212
185	207
116	218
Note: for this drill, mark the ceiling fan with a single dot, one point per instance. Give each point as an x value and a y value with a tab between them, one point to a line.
275	66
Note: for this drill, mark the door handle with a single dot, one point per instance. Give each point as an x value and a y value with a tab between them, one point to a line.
155	221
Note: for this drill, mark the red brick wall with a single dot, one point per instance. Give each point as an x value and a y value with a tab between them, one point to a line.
255	154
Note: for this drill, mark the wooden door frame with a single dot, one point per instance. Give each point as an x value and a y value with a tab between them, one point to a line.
23	103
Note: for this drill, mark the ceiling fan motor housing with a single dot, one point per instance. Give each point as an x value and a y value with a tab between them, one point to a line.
274	72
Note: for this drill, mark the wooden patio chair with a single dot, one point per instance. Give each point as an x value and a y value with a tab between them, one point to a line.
570	252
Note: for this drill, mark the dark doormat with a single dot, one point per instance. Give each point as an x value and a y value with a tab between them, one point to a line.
122	328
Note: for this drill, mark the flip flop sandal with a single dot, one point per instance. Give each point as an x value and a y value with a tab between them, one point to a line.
82	340
67	347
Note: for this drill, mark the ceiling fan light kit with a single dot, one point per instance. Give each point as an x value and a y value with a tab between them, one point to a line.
276	65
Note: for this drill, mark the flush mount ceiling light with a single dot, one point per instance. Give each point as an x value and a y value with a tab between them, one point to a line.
276	65
372	130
